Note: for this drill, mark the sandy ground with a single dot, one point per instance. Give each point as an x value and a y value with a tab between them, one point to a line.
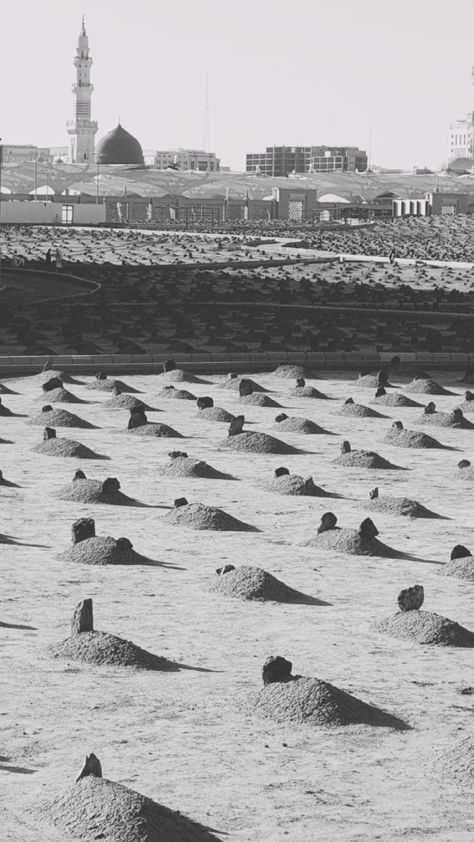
182	738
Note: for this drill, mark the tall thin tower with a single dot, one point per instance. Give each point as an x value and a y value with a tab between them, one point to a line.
206	139
471	144
82	129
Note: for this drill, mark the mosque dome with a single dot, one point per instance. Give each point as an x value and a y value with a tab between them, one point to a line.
119	147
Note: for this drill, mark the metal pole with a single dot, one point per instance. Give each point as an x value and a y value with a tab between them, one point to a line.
97	181
36	178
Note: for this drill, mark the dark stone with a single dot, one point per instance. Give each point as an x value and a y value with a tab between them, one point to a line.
177	454
345	447
373	494
368	530
464	463
411	599
328	521
382	376
79	475
281	417
396	360
430	408
235	426
348	401
204	403
137	418
469	396
82	618
101	376
380	392
180	501
124	545
168	389
169	365
91	767
110	485
280	472
276	669
457	415
47	408
226	569
54	383
82	529
301	383
117	389
49	433
233	375
245	388
459	552
397	425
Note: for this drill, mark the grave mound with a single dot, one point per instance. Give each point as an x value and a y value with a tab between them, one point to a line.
199	516
253	583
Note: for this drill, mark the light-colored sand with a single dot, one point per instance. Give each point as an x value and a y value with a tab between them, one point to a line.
180	738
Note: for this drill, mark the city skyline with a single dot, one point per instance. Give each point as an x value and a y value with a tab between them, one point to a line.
382	79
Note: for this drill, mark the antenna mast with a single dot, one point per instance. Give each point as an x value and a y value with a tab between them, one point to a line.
207	119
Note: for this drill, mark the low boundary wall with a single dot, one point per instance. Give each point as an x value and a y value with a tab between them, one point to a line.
15	366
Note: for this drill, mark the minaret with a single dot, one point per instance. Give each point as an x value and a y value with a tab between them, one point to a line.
82	129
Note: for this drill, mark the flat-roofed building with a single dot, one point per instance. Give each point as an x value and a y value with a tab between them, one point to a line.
280	161
184	159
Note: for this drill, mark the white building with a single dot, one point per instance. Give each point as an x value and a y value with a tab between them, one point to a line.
185	159
82	129
460	138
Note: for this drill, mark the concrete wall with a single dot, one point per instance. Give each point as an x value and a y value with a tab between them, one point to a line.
49	213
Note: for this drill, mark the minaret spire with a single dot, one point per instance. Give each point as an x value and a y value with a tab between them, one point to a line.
82	129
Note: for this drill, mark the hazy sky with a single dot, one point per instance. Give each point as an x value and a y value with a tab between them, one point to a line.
283	72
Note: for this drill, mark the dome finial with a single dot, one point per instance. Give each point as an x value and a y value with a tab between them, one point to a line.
83	24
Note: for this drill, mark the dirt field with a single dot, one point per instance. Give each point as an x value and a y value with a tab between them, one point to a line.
183	738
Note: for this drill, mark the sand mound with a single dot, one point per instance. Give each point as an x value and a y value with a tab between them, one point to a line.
91	491
178	394
425	627
400	506
95	808
198	516
259	400
395	399
365	459
456	764
358	410
467	406
409	438
6	483
101	550
179	375
102	649
66	447
106	385
301	425
61	418
5	390
371	381
156	431
296	486
183	466
5	412
313	702
426	386
351	542
460	568
247	442
127	402
215	413
294	372
307	392
49	373
446	419
256	584
59	395
233	383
